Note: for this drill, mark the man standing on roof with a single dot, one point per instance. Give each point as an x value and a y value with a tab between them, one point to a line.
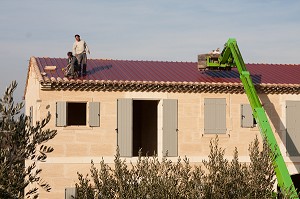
80	49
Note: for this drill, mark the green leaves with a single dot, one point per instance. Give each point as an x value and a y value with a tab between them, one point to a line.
152	177
19	141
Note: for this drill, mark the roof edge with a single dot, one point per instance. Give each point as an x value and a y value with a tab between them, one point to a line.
179	87
32	63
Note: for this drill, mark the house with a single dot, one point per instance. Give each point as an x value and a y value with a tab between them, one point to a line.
157	106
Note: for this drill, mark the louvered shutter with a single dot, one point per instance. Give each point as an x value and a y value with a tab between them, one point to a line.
70	193
125	131
246	116
215	116
61	113
170	127
94	114
293	128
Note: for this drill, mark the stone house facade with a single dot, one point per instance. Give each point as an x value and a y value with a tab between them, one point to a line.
157	106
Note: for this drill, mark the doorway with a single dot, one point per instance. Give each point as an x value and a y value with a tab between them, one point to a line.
145	127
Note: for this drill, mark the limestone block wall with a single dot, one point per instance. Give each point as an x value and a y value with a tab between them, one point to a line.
76	146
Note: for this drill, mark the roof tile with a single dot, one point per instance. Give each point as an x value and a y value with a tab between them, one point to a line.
161	72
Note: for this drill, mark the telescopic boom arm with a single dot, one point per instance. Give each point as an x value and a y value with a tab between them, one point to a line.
231	57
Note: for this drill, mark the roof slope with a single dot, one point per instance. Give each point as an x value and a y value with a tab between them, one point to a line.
159	72
121	70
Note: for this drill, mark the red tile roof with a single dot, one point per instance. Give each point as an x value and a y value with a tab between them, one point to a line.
160	76
125	70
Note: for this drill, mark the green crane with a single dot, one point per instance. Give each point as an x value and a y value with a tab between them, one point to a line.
231	57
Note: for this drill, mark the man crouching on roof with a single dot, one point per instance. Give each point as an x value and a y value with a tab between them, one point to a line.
72	67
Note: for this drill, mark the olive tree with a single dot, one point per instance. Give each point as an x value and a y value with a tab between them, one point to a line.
20	141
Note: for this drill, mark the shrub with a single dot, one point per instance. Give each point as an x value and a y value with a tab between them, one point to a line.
150	177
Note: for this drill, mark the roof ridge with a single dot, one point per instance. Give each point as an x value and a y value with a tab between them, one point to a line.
167	61
274	64
164	61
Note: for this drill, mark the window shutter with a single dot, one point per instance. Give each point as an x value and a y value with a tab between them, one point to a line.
215	116
61	116
94	113
246	116
293	128
170	127
70	193
31	115
125	131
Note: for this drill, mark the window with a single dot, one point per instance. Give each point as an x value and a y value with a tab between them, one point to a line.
137	127
75	113
247	119
214	116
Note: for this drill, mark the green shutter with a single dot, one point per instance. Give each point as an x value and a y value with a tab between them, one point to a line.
170	127
61	113
215	116
246	116
94	114
125	123
293	128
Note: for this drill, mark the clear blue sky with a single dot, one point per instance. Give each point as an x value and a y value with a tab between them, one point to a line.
174	30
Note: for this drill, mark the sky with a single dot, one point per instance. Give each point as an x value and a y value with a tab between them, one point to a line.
267	31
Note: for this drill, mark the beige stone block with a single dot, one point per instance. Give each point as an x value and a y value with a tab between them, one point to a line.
239	99
107	96
108	122
60	183
59	150
51	195
52	170
196	136
185	136
76	150
108	136
189	150
189	99
191	110
108	108
72	169
63	137
188	122
180	108
88	137
100	150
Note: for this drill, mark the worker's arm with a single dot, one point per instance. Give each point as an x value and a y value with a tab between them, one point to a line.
74	48
86	48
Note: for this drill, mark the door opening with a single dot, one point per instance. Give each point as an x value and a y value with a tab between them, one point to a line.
145	127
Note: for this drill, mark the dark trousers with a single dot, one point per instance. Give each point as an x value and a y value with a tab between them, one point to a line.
69	70
82	60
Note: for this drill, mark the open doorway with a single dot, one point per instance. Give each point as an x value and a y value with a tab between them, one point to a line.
296	181
145	127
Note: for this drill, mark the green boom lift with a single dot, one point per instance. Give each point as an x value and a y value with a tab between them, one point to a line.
231	57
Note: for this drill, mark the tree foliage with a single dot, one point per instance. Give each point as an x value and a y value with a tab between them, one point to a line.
20	141
151	177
